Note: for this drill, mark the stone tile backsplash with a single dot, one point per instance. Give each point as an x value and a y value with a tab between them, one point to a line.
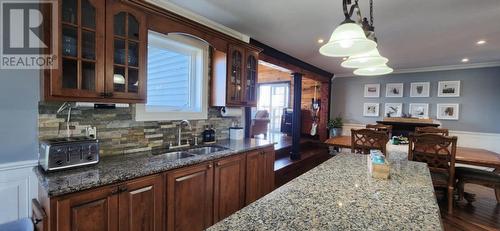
117	130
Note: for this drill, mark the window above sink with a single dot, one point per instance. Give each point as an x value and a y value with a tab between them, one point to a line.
177	78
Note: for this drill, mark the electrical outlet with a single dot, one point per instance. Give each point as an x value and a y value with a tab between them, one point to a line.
91	132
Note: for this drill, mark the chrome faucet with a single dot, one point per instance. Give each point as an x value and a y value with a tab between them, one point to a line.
183	123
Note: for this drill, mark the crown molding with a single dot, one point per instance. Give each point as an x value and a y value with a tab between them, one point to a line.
433	68
165	4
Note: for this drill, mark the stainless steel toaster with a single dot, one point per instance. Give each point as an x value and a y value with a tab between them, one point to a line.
64	153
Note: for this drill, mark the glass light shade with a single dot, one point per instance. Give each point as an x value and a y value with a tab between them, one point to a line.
369	59
347	39
375	70
118	79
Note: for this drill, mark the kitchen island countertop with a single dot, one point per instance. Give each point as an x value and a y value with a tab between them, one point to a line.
341	195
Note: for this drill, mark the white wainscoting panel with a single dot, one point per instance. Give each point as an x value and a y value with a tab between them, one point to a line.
346	129
18	185
488	141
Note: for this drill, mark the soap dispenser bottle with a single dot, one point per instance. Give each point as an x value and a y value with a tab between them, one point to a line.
206	135
212	133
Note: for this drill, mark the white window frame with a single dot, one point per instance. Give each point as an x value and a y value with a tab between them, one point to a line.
198	80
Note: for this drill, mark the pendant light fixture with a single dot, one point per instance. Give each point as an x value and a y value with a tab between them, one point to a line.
373	70
348	38
369	59
356	42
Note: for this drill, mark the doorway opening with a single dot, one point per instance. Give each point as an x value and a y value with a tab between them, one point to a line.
274	98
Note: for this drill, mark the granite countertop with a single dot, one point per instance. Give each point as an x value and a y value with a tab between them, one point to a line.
120	168
341	195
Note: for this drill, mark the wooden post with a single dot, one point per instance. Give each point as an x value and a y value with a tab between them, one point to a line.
248	122
324	111
296	121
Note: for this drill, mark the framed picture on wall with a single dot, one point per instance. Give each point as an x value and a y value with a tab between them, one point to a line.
371	109
419	89
448	88
419	110
372	90
394	90
393	109
448	111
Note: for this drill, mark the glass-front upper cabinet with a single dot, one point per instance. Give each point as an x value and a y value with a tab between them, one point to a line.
251	66
126	52
235	85
80	72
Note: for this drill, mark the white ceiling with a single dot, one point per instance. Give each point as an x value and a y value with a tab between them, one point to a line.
412	34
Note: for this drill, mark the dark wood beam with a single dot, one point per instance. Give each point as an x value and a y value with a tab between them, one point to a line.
296	121
279	55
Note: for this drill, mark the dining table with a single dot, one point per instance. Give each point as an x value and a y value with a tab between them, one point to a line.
464	155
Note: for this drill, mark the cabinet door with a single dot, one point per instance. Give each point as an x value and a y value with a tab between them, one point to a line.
268	171
190	198
251	70
125	52
235	81
81	64
141	204
254	176
91	210
229	186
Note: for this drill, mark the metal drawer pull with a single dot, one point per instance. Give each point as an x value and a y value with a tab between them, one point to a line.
145	189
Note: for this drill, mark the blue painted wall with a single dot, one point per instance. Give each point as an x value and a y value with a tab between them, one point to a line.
479	97
19	96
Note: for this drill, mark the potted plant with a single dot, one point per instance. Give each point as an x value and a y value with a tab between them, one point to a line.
335	126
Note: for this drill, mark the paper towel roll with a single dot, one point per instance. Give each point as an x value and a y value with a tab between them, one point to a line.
231	112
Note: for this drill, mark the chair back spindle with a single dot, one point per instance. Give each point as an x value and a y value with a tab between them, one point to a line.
363	140
434	130
381	127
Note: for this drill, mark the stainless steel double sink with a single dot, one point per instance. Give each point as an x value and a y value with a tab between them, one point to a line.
185	153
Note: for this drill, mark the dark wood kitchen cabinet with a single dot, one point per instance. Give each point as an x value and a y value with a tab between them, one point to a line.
190	198
251	73
80	51
135	205
259	174
93	41
229	186
126	40
91	210
141	204
235	76
242	73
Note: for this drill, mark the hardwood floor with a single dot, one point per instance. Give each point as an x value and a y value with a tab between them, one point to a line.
482	214
286	169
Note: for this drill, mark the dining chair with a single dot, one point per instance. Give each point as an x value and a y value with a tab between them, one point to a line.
381	127
439	153
466	175
440	131
363	140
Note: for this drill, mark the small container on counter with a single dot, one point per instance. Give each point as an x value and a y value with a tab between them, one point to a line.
377	165
236	133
